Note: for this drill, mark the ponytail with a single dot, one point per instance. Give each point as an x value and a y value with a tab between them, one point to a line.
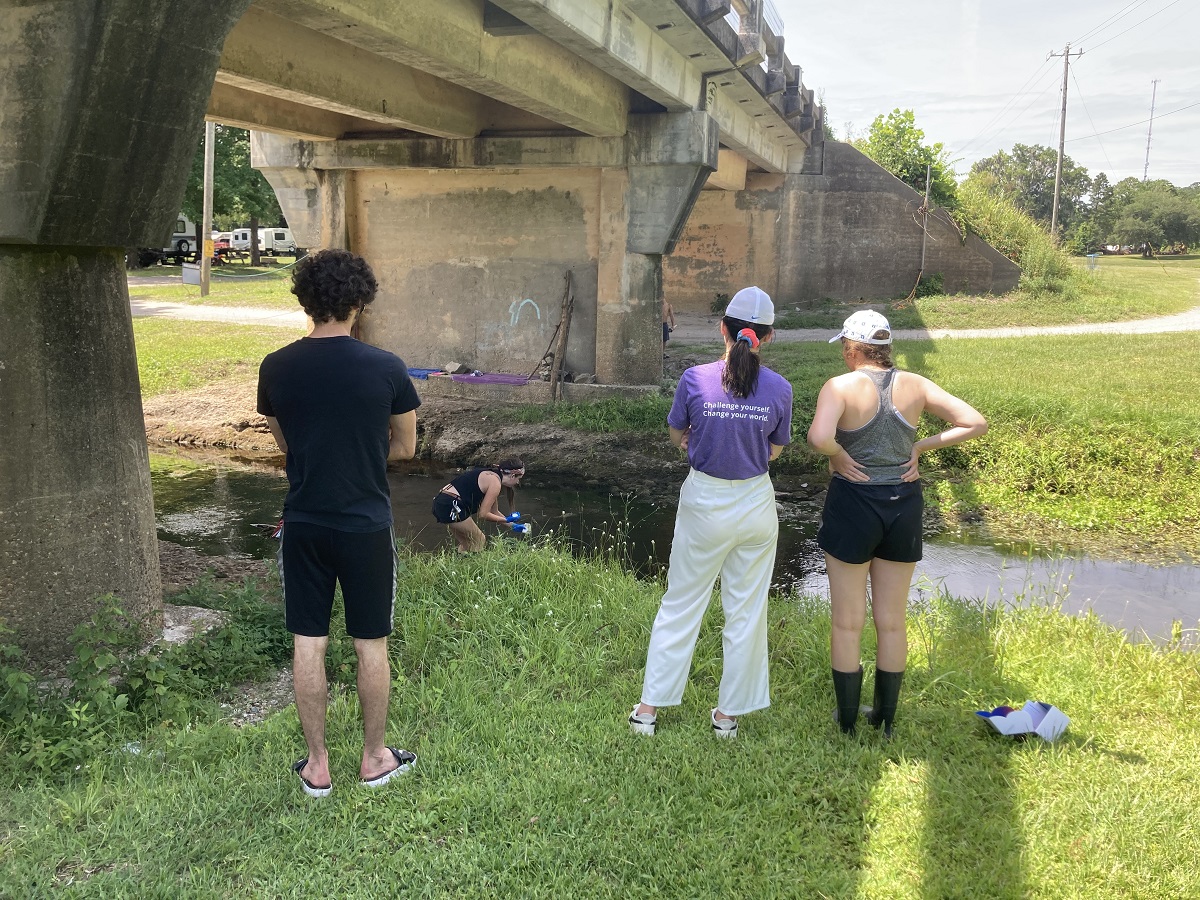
740	377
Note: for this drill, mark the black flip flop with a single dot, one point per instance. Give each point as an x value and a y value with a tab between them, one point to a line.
404	764
313	790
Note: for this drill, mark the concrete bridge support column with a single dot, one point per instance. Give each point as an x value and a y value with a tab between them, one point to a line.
76	516
644	209
99	119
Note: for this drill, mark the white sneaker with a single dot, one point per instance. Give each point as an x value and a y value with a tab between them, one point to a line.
724	728
642	723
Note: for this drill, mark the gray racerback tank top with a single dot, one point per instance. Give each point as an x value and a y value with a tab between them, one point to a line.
884	445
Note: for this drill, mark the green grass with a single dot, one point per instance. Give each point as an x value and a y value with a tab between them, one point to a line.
513	673
1122	288
1092	443
1092	440
232	285
176	355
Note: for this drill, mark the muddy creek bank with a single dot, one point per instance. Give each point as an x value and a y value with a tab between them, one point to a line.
224	508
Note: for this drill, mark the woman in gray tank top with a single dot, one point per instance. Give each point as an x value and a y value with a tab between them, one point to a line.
866	423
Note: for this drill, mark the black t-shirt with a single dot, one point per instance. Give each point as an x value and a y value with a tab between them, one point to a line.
333	398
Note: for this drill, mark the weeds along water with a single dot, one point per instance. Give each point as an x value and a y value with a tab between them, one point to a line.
513	670
215	505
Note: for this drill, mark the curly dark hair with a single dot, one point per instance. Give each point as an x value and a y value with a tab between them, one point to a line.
331	283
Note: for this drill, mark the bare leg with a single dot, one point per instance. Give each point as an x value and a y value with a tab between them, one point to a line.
374	682
468	536
312	696
848	604
890	582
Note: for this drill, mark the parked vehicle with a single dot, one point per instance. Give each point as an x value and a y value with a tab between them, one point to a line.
183	245
271	241
277	241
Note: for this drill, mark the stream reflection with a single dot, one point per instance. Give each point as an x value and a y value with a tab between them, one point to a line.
215	505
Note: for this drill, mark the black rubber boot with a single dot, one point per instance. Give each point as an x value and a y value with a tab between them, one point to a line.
887	696
847	687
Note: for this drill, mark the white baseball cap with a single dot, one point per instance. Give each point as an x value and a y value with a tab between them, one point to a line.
751	304
863	326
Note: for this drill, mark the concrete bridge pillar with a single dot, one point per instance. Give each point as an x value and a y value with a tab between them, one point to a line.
471	239
99	120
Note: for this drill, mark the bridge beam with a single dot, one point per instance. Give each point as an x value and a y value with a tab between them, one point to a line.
278	58
615	36
447	39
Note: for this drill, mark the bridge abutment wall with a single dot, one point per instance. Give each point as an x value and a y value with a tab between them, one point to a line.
471	240
846	229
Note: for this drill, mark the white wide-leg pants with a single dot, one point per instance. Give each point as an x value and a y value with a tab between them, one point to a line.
730	528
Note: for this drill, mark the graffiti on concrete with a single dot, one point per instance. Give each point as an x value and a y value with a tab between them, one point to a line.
514	311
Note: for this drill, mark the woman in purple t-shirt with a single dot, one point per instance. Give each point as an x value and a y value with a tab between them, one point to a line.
733	417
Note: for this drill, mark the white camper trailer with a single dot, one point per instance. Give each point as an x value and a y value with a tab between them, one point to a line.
271	241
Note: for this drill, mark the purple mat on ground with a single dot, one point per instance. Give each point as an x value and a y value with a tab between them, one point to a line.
493	378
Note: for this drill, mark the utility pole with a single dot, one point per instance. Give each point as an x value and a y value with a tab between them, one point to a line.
1150	127
204	238
1062	135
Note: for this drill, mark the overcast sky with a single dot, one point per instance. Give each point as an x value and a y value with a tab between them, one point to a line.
976	75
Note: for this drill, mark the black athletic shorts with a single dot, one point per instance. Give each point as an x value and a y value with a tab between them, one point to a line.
862	522
447	509
313	557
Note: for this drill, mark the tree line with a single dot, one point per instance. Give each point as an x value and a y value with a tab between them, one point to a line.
1150	216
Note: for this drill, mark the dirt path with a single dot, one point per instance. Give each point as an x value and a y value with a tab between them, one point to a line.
240	315
691	328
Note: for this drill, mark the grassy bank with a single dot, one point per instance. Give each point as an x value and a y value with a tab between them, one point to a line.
1092	443
1121	288
233	285
177	355
513	672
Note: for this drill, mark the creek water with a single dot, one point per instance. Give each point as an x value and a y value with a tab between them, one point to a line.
219	505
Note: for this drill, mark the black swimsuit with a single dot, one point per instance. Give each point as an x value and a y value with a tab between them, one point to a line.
447	508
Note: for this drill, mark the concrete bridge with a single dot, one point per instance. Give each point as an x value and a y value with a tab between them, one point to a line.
473	151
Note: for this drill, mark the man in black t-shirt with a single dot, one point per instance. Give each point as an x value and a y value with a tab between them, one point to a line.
339	410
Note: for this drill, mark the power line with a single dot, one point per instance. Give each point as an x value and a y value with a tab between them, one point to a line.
1119	14
1011	100
1079	91
1135	25
1135	124
990	135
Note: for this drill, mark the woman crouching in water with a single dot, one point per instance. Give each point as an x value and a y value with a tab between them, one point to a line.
733	417
866	423
478	491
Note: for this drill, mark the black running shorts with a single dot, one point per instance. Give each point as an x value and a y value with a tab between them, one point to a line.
312	558
448	509
862	522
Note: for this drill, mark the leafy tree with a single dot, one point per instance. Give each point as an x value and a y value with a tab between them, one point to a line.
1083	237
1026	176
1101	210
897	144
1135	231
240	192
